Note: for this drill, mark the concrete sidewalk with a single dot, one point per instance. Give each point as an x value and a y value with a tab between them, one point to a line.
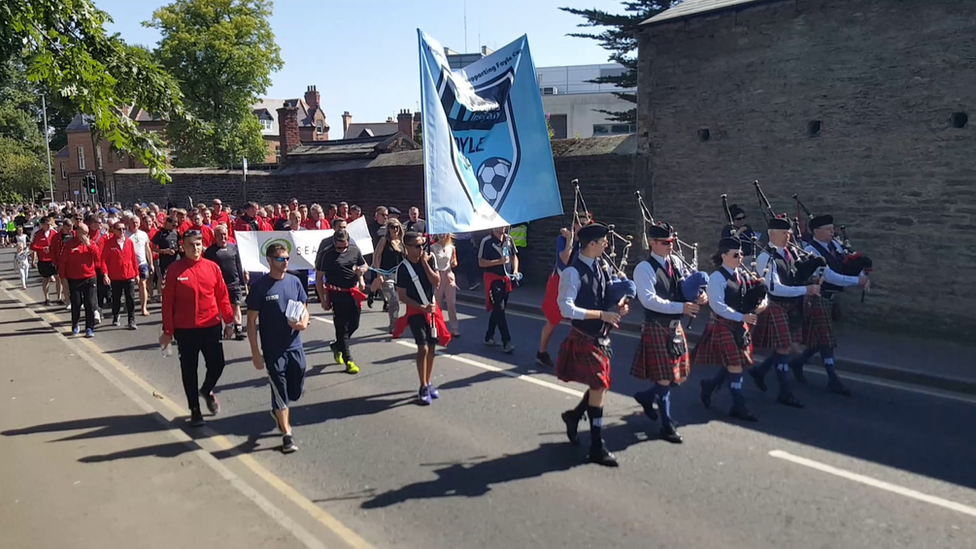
943	365
84	466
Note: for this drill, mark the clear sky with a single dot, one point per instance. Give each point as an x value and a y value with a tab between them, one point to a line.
362	55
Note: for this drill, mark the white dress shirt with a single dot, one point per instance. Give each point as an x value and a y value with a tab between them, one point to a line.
645	279
832	277
773	282
569	285
716	295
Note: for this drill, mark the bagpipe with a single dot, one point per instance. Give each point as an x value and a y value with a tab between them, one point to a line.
853	263
621	289
693	281
755	285
806	263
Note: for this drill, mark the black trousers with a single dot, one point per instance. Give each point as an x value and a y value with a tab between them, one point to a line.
128	288
192	342
83	292
103	289
499	299
345	315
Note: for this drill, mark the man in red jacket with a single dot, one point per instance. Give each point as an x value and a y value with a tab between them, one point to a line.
65	233
196	224
121	270
42	246
78	261
195	300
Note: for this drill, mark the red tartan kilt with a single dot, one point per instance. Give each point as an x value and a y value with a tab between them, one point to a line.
818	323
717	346
653	361
580	360
550	303
773	327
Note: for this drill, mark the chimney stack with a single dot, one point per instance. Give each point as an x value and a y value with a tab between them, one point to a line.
312	98
288	137
346	122
405	123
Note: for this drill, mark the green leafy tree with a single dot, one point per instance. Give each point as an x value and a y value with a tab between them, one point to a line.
23	166
223	53
22	170
619	37
67	52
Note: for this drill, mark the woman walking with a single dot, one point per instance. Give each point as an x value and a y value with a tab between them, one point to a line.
445	258
386	258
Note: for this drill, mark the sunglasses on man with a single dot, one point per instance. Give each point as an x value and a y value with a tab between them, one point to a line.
740	218
281	259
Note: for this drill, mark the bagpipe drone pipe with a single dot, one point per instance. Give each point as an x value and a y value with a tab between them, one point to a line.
693	281
806	264
853	263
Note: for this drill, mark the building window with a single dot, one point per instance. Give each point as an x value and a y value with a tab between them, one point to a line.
614	129
98	159
64	171
278	153
265	124
558	123
65	196
81	158
320	127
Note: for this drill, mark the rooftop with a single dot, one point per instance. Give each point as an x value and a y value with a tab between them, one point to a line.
691	8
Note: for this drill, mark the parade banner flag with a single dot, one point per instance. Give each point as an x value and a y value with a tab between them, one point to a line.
487	160
302	245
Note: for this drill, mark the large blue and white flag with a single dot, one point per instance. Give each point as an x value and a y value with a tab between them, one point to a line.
487	160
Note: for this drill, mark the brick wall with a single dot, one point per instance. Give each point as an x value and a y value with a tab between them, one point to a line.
883	78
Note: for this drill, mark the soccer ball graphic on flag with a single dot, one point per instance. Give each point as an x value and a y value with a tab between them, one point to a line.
492	175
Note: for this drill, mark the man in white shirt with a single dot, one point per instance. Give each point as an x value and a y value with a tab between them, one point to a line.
140	241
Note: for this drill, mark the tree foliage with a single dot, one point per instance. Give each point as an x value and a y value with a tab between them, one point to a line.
67	51
23	166
223	53
618	35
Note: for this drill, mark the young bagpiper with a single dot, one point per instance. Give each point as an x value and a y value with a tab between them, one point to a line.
662	355
726	340
416	278
269	302
584	356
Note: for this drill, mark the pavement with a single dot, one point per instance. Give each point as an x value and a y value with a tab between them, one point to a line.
486	466
929	362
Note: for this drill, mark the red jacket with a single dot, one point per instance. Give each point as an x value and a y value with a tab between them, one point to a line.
221	217
119	262
206	234
243	225
41	241
57	244
78	261
310	225
195	296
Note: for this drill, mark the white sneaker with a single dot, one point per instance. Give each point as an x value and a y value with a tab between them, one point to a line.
98	316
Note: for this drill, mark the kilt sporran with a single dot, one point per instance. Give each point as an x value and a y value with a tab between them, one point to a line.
662	354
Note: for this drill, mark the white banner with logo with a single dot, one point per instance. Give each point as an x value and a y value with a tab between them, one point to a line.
302	245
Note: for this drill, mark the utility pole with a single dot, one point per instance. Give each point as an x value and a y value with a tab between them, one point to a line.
47	147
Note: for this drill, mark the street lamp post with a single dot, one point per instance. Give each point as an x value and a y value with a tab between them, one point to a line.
47	147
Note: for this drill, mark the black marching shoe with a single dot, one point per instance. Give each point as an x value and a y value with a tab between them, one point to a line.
798	374
543	359
646	400
743	414
838	388
789	400
707	388
601	456
196	419
671	435
759	379
370	299
572	427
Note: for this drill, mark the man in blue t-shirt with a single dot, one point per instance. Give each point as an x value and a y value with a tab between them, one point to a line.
281	340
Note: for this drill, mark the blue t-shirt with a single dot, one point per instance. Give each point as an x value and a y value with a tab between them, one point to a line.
269	297
560	246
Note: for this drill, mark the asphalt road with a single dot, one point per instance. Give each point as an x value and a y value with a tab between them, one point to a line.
487	465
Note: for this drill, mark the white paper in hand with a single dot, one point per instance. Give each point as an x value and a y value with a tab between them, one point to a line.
295	311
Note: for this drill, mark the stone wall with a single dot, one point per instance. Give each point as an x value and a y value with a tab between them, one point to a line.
880	80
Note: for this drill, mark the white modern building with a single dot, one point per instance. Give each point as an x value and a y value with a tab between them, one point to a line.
574	104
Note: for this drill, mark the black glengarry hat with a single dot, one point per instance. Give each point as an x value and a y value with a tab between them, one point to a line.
820	221
727	244
593	231
660	230
780	223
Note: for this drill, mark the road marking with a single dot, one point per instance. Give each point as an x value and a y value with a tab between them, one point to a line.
300	533
880	484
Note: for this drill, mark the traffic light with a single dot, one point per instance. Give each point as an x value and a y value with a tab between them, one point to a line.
89	184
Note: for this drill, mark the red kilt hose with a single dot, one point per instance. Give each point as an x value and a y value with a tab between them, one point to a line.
818	322
773	330
581	360
550	303
653	361
717	345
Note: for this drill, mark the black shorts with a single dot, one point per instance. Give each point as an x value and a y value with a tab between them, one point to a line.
236	293
420	327
287	373
47	269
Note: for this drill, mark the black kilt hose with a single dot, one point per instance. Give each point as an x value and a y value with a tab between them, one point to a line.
717	345
655	360
818	322
581	360
773	329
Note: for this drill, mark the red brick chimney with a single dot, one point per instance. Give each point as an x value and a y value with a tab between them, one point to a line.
405	123
312	98
346	122
288	137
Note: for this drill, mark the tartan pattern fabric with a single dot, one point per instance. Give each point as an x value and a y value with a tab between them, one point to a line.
773	330
653	361
818	323
550	305
582	361
717	345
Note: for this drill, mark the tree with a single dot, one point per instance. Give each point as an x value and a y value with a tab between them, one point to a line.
21	169
619	37
68	52
223	53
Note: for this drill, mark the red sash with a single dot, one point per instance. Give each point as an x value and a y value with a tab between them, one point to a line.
487	280
443	335
357	295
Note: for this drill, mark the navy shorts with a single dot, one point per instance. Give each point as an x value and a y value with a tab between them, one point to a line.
287	374
144	272
420	327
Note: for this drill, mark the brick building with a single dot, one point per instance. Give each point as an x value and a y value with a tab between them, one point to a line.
859	106
312	125
405	123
